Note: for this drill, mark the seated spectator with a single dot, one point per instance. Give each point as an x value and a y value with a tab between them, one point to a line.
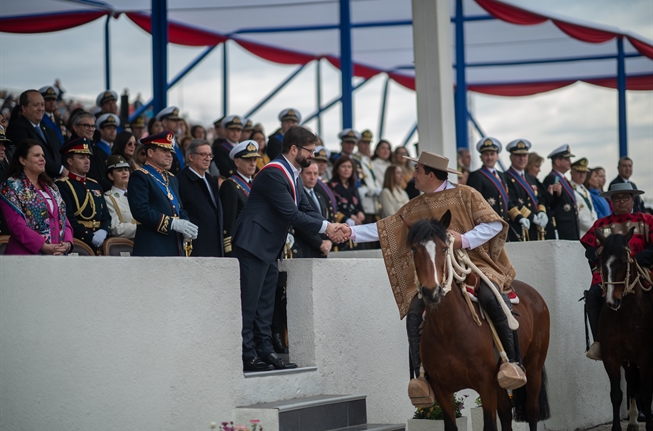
343	184
122	222
381	158
198	132
32	206
405	164
138	128
183	142
4	154
124	146
594	182
4	121
82	125
154	126
393	196
324	166
140	156
259	137
248	128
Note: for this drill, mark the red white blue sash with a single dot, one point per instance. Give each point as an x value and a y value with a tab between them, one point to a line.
565	185
279	164
242	183
523	183
498	184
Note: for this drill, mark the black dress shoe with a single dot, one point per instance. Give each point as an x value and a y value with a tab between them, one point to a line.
274	360
277	343
256	364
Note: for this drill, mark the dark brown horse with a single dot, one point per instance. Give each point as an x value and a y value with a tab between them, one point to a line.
457	353
626	329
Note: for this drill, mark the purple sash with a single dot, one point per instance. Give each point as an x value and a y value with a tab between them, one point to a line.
498	184
524	184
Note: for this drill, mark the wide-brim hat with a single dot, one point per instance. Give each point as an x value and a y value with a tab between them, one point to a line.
434	161
619	188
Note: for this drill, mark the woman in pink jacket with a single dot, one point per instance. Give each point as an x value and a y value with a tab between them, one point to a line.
33	207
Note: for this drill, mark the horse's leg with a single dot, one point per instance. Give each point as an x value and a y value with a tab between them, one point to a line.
504	409
446	402
533	387
488	393
632	390
613	368
646	391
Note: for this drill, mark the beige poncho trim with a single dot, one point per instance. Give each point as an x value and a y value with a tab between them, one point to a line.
468	209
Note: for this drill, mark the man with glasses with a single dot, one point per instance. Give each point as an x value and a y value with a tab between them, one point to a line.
625	169
200	198
153	194
83	126
276	201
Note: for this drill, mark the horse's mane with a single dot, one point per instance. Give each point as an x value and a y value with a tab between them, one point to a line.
614	245
425	230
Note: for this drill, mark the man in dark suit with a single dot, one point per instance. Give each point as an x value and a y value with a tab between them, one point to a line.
561	197
153	195
235	190
625	168
200	198
276	201
490	182
307	244
289	117
28	126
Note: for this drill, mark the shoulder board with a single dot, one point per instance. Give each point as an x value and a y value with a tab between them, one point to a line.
170	173
142	170
91	180
62	180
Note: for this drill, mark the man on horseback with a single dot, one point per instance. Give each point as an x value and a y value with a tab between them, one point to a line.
641	248
476	227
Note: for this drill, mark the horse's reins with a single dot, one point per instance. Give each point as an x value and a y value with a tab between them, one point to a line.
630	288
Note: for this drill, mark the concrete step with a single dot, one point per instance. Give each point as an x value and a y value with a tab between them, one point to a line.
374	427
317	413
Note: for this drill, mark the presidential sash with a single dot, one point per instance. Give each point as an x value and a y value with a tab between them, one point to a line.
281	164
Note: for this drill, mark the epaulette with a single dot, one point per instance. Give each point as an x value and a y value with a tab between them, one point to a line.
170	173
142	170
91	180
62	179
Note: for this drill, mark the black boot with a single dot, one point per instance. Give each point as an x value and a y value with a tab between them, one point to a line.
412	328
593	304
277	343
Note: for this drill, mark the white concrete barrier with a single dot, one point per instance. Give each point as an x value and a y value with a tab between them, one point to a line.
154	343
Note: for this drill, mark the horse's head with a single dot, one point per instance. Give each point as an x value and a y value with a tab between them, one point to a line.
427	239
615	264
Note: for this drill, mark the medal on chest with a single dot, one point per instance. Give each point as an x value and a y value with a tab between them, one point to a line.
566	207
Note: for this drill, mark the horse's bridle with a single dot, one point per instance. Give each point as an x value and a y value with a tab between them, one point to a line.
629	288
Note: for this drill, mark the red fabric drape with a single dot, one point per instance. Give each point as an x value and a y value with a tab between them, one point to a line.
642	47
585	34
509	13
644	82
360	70
519	89
47	23
276	55
179	33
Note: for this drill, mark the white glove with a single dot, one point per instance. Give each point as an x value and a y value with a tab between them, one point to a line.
290	240
525	222
98	237
350	222
541	219
184	227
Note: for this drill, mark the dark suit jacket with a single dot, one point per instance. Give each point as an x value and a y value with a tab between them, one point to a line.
233	198
154	211
638	204
565	211
307	244
487	188
223	162
275	142
55	127
262	226
22	129
196	200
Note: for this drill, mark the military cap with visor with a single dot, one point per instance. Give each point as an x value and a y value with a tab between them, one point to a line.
163	140
488	144
49	92
77	146
106	96
107	120
169	113
245	150
519	146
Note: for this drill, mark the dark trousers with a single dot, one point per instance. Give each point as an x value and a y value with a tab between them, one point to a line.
258	283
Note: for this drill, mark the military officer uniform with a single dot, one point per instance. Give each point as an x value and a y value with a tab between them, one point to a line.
490	182
564	209
586	214
234	191
347	137
153	196
122	222
178	157
273	148
50	120
222	147
85	205
524	199
322	156
137	127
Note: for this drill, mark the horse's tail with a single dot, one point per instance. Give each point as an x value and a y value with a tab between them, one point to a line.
519	398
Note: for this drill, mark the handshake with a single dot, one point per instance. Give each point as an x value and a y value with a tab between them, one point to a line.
338	232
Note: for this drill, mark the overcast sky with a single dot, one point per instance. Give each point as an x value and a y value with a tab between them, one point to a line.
581	115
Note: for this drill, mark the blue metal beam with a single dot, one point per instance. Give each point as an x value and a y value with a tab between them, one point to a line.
318	94
476	126
462	138
549	60
225	80
621	91
159	54
346	65
332	102
384	101
275	91
410	135
107	54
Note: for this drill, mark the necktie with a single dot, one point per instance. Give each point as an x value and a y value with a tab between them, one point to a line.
40	133
51	117
312	193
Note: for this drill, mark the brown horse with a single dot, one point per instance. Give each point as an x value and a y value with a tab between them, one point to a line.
457	353
626	329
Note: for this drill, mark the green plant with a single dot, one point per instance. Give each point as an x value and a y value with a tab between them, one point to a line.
478	402
435	412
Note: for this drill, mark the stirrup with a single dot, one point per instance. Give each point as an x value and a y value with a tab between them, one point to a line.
595	351
420	393
511	376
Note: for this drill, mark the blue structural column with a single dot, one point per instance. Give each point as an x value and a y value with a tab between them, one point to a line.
384	102
107	54
346	65
318	94
462	137
159	54
225	80
621	90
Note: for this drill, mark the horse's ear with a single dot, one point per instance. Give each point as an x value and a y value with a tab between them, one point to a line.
446	219
407	222
599	235
630	234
